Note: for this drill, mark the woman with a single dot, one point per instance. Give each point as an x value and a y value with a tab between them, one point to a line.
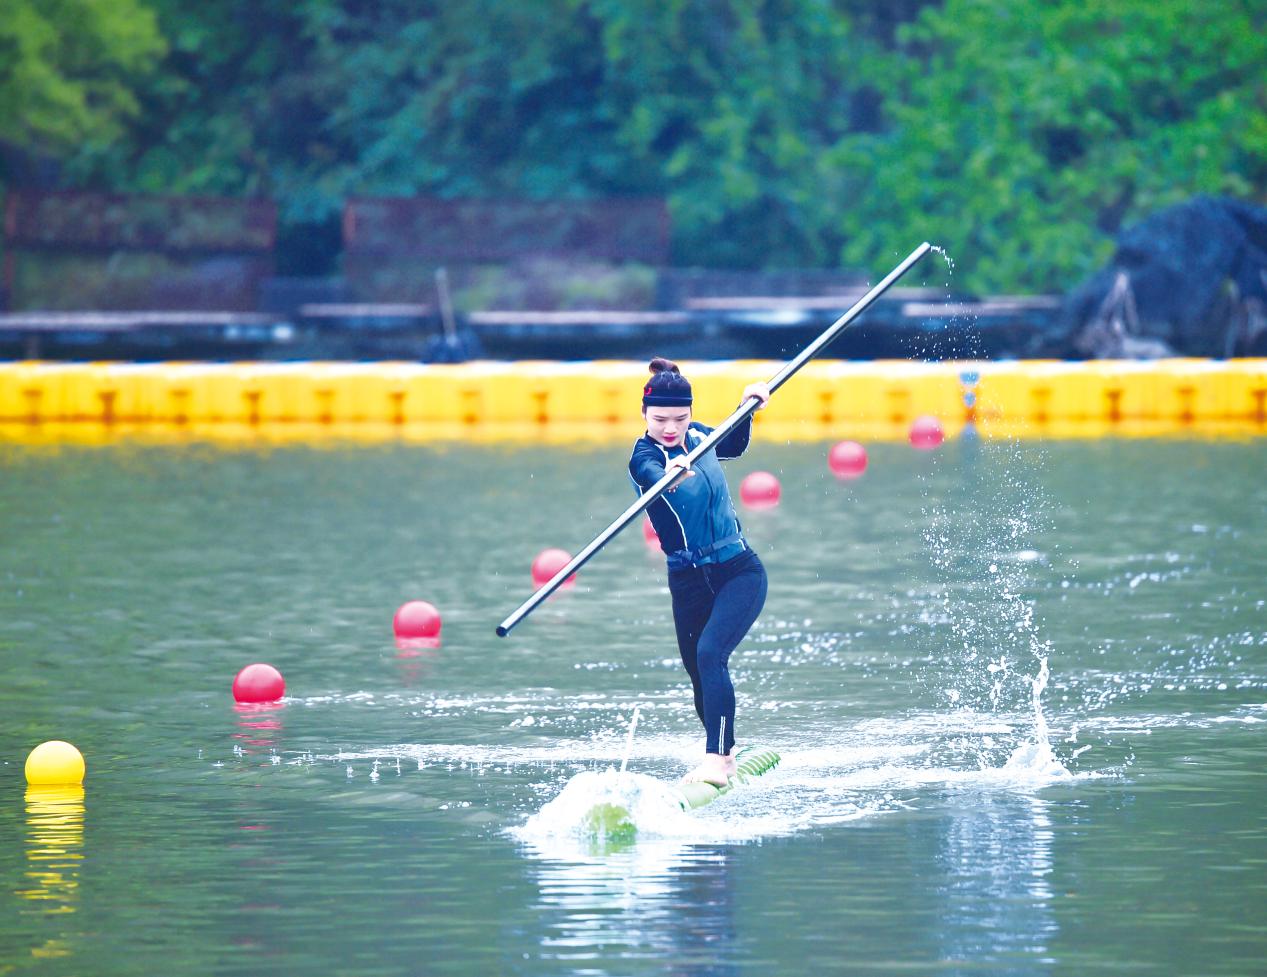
717	583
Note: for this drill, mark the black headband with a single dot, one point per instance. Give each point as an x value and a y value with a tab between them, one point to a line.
667	389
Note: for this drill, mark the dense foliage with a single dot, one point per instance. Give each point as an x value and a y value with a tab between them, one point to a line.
70	70
1020	134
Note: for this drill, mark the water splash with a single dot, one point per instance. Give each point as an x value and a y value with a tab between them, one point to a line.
609	809
1036	758
950	262
633	727
948	333
978	532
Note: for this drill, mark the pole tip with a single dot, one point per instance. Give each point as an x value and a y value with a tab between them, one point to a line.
502	631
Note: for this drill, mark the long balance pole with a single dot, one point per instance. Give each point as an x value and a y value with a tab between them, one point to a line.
726	426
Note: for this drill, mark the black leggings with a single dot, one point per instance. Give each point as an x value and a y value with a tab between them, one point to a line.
713	607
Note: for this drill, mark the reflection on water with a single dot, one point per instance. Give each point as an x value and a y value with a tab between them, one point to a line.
54	851
54	847
259	724
659	901
415	659
659	905
997	898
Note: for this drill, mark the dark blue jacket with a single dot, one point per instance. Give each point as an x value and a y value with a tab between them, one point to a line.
699	512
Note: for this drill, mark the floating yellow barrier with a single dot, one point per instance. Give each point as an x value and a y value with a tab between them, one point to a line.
829	398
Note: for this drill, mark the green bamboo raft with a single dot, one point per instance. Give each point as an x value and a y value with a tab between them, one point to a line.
750	762
612	823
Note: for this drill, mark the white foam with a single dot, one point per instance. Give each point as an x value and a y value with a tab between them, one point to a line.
863	769
651	804
563	825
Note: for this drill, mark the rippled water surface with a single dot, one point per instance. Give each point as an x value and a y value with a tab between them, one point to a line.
1020	692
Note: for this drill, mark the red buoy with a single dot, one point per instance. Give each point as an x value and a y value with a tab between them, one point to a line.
650	535
259	683
417	621
926	433
760	490
548	563
847	459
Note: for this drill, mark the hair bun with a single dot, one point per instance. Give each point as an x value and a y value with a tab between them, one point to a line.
660	365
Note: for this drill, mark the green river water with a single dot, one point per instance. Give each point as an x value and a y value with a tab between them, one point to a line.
385	818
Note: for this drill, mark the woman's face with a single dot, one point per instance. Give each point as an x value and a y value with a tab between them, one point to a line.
667	424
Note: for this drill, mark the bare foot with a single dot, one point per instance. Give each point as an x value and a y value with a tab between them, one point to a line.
716	770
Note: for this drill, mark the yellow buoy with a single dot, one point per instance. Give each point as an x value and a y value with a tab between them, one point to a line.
55	762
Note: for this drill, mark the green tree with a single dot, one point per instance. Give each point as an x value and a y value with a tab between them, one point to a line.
1021	134
222	111
723	106
731	104
69	68
316	100
481	99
